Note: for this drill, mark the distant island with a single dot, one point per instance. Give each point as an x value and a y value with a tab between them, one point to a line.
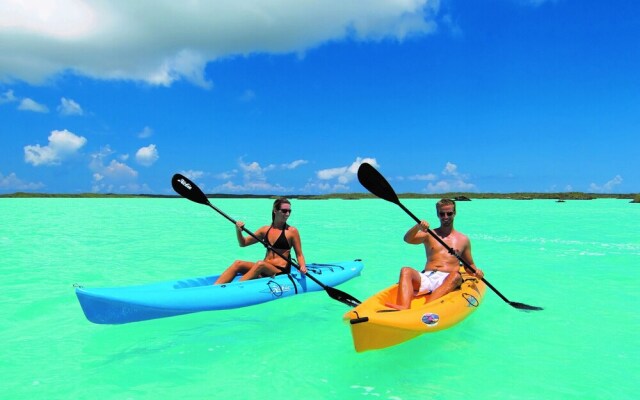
559	196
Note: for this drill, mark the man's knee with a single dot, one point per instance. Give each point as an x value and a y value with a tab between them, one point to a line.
406	272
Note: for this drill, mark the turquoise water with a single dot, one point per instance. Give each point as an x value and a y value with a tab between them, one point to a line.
577	259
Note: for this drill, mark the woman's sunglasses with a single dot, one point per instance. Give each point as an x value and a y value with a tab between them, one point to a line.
285	210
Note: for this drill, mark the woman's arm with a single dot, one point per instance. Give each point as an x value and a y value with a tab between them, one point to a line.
297	247
244	241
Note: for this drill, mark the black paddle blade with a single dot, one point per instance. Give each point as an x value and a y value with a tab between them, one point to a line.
342	297
189	190
525	307
374	182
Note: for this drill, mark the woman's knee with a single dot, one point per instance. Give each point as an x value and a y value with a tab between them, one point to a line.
239	266
236	264
259	266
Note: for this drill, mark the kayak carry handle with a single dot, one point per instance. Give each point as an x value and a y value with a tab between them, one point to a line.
358	320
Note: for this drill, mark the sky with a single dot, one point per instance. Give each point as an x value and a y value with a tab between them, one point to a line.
291	96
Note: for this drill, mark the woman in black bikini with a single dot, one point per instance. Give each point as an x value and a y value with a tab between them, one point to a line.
280	236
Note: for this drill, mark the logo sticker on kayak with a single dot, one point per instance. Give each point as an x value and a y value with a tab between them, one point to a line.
471	300
430	319
276	289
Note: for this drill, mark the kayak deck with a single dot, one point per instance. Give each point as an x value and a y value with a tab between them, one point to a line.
376	326
119	305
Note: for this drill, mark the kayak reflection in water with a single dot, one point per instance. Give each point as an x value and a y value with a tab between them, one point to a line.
440	275
281	236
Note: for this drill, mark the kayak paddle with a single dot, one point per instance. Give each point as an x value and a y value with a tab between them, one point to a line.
189	190
374	182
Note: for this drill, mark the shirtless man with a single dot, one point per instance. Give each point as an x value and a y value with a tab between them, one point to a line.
440	275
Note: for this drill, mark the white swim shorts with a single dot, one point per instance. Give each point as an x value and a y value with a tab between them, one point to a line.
431	280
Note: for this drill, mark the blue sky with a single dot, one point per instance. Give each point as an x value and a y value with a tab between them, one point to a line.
290	96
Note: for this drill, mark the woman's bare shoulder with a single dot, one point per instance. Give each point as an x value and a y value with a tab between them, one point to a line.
263	229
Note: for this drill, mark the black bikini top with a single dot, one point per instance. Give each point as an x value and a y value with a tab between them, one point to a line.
281	243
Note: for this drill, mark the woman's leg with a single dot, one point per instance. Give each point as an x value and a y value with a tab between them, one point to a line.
238	267
260	268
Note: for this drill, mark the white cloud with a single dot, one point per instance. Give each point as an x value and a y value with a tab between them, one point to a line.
8	97
607	187
295	164
69	107
226	175
254	177
133	41
12	182
113	176
230	186
455	185
145	132
450	170
253	170
192	174
28	104
62	144
253	186
247	96
318	186
535	3
147	156
119	171
452	26
451	181
345	174
423	177
59	19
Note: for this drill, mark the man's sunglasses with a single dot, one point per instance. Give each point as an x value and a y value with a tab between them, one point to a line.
448	213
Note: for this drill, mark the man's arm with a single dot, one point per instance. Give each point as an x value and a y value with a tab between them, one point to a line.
417	233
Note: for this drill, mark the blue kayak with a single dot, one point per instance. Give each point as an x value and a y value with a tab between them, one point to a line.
120	305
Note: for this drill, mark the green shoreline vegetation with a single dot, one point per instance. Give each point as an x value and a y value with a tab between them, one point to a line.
558	196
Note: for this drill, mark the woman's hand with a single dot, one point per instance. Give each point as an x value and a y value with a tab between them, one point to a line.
239	226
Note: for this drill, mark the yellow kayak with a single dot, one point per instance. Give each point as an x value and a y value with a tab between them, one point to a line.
376	326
